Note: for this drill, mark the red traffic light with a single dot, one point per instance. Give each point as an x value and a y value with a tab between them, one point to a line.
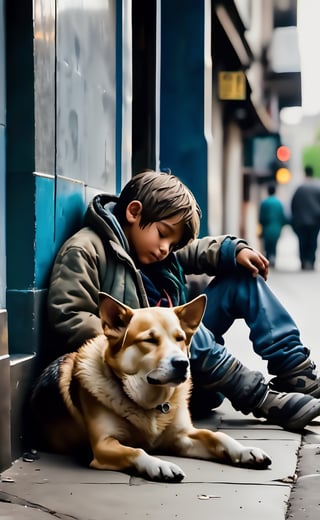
283	153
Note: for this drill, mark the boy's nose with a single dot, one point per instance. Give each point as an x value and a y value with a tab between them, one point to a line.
164	248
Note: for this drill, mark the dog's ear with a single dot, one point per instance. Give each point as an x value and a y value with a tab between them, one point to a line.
190	315
115	317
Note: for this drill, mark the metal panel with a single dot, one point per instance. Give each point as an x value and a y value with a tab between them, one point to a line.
44	250
26	320
5	445
3	281
44	85
22	374
124	102
86	87
2	65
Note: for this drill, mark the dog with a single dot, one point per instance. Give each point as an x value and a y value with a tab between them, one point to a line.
124	396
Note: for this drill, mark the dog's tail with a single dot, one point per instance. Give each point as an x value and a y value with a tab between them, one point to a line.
55	386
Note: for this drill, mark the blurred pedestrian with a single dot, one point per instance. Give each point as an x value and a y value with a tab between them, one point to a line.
272	219
305	210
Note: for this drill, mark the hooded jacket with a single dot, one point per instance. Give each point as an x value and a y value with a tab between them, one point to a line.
97	259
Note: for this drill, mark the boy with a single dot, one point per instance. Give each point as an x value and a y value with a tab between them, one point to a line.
138	247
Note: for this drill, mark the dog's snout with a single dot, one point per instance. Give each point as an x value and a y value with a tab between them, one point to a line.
180	363
173	370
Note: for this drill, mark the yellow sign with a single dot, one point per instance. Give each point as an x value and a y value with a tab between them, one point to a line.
232	85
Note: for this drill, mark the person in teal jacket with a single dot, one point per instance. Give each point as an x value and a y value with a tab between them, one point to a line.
272	219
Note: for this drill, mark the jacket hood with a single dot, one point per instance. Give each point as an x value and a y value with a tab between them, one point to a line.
100	217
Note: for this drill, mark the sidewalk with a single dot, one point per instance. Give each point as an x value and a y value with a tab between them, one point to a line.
55	487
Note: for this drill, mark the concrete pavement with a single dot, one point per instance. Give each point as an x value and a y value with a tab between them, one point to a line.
55	486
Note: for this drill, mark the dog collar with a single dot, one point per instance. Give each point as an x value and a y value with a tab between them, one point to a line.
163	408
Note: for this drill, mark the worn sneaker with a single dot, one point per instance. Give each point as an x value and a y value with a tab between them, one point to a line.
291	411
304	379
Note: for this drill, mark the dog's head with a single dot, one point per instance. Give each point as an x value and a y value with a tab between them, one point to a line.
151	343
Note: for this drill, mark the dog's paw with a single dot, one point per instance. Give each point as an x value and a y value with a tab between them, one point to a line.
158	469
254	458
240	455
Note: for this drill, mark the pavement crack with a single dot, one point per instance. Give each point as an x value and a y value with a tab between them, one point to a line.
14	499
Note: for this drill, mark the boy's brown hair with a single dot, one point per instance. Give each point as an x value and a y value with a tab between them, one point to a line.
162	196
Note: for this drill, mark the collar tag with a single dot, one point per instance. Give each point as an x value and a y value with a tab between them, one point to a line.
163	408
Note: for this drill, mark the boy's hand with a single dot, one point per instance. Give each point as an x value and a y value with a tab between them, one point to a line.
254	261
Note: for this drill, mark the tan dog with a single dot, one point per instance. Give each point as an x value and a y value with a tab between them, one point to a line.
125	393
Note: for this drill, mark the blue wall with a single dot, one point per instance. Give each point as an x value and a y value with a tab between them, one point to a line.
183	147
62	133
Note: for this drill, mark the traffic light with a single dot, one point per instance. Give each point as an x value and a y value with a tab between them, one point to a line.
282	172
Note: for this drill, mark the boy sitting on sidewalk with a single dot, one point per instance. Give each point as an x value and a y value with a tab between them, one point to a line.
137	247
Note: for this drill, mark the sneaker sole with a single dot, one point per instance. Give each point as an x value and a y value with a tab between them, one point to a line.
304	416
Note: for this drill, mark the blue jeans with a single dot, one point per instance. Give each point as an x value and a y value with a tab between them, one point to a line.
273	333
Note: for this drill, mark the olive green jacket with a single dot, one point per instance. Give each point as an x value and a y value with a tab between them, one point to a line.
97	259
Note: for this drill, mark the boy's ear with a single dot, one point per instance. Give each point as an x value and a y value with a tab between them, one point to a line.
133	210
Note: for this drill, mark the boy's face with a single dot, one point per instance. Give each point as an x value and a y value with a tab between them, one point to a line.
154	242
